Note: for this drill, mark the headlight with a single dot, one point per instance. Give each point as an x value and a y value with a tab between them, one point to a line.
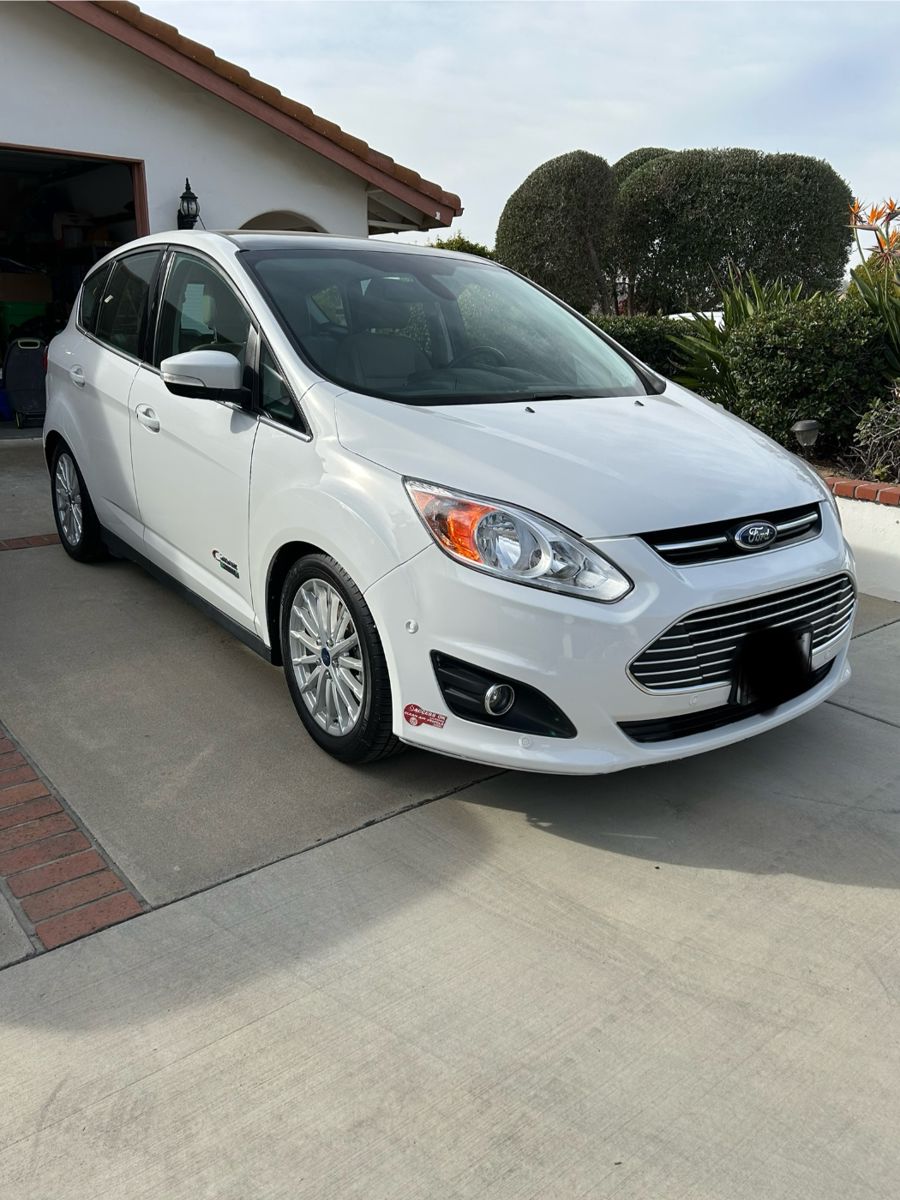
515	545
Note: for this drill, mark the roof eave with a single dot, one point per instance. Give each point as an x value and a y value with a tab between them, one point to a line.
436	212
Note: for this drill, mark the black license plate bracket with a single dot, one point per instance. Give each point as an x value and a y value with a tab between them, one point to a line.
773	665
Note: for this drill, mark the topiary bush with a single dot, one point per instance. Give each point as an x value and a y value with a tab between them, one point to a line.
821	358
683	218
648	338
634	159
557	228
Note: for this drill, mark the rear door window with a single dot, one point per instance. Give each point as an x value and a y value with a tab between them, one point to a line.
121	319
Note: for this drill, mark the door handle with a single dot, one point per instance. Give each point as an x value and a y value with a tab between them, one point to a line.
147	417
76	374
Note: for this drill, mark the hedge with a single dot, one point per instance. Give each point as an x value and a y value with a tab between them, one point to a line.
821	358
684	218
557	228
648	338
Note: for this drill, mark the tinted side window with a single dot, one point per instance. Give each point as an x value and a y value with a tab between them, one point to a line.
200	311
122	316
91	294
274	395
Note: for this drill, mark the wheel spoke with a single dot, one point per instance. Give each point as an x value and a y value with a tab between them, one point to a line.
342	647
344	679
306	660
304	639
314	679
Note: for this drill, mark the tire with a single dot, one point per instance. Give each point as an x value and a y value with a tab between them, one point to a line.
76	522
344	703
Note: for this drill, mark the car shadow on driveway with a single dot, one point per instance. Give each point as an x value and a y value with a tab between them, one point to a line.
817	798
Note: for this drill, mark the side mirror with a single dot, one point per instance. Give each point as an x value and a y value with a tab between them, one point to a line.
205	375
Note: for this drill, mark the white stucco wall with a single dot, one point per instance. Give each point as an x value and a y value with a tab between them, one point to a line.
873	531
66	86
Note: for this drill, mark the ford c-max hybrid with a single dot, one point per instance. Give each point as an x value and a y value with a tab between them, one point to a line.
459	515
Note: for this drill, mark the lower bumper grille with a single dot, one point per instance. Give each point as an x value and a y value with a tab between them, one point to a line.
668	729
700	650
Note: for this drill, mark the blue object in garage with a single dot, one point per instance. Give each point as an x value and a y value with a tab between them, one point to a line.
5	410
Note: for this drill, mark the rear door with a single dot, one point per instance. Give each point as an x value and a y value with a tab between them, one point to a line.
101	368
191	457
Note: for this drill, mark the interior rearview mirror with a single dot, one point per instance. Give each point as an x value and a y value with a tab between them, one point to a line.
204	374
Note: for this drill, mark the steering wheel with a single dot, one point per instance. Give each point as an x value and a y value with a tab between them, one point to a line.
475	352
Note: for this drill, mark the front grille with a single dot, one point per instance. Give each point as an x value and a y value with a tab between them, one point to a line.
699	651
714	542
668	729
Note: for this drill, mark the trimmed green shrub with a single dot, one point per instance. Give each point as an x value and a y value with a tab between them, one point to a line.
648	338
458	241
700	343
636	158
877	447
557	228
821	358
685	217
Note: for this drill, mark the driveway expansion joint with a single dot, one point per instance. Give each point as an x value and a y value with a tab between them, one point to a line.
60	884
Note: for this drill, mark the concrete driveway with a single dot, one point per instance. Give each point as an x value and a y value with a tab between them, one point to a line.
680	982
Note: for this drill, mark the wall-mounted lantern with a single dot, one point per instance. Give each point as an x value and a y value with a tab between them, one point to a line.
188	208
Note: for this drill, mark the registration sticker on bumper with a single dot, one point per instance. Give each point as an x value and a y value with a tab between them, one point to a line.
414	715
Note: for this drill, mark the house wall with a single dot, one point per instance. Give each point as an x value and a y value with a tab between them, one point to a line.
66	86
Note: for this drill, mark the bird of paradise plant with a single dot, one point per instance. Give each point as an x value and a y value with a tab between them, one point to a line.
877	278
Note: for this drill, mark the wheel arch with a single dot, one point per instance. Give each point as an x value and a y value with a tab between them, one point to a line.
52	442
281	563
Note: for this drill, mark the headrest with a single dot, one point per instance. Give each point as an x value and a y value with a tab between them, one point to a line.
369	312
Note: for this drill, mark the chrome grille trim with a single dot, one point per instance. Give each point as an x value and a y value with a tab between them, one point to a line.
689	655
714	541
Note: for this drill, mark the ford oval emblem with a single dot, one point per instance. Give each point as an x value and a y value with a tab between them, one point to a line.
755	536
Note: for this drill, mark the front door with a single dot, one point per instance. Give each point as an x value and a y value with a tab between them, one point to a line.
192	457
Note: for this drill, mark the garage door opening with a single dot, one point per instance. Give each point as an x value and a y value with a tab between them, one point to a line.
59	214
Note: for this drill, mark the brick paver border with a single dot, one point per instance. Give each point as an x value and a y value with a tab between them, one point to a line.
58	881
25	543
855	489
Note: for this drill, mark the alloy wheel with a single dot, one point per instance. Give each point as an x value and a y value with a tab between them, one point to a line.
68	499
327	657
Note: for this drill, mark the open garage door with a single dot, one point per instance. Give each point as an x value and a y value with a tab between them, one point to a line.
59	214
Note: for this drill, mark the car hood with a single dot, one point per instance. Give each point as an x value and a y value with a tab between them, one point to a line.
602	467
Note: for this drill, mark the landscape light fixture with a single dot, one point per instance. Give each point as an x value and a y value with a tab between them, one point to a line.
188	208
805	432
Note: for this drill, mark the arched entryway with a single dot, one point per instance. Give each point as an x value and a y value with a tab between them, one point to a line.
282	219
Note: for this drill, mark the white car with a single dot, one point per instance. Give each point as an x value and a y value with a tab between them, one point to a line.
459	515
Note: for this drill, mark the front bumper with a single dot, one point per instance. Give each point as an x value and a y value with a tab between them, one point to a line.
577	652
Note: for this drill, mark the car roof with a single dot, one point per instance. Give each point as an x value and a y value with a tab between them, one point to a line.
252	239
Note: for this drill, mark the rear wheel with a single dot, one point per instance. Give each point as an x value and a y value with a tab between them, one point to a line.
334	662
77	524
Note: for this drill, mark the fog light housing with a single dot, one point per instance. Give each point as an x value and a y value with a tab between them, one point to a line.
499	699
485	698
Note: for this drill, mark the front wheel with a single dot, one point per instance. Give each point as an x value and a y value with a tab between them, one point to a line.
334	662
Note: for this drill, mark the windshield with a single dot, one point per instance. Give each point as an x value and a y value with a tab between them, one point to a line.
433	329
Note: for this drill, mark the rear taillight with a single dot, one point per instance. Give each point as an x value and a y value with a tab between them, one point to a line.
45	357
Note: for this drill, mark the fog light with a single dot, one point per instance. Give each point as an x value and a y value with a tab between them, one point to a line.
499	699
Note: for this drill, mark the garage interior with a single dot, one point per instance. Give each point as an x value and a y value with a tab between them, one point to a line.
59	214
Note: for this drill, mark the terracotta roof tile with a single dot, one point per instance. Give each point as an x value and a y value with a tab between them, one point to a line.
169	36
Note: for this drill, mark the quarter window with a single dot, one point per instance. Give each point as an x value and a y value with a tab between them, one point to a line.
200	311
121	317
275	399
91	295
